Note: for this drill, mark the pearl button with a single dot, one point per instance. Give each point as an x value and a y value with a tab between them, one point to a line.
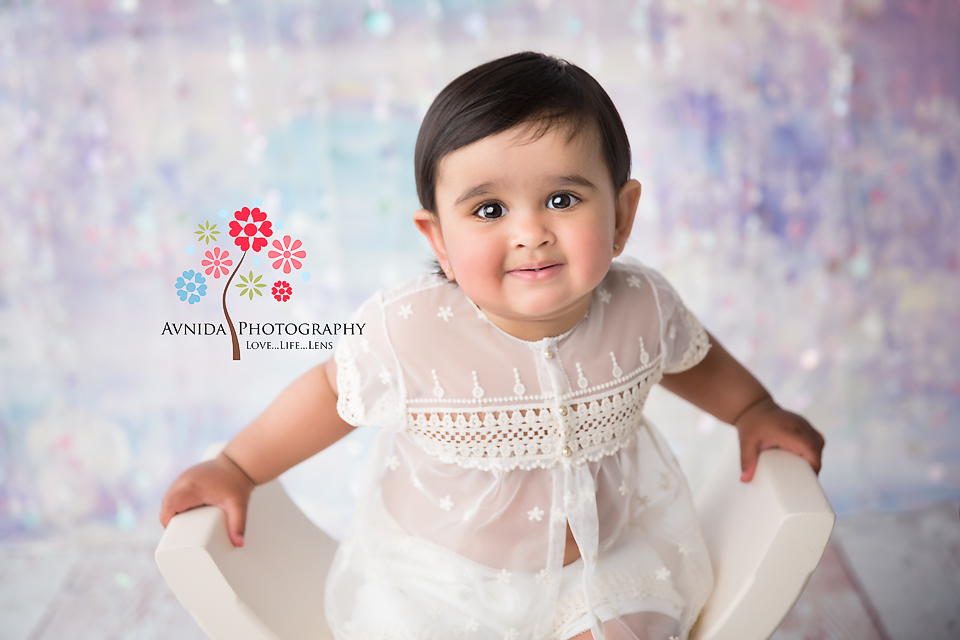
567	452
563	411
547	354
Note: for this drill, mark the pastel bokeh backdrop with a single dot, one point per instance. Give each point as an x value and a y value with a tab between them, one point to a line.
801	170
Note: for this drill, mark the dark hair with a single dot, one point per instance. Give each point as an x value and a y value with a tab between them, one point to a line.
501	94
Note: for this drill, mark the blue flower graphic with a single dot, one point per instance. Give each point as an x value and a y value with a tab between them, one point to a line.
191	286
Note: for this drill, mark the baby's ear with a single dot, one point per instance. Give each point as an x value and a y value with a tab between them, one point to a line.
626	212
429	226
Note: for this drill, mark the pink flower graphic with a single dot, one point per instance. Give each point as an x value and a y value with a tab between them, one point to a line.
217	262
287	254
256	222
282	290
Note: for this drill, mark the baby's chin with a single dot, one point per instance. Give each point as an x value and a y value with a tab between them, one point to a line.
534	320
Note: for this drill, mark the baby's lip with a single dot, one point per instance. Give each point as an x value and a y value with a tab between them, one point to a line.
536	266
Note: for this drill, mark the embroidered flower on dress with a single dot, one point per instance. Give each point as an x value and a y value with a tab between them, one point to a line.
518	387
644	356
617	371
504	577
634	281
605	296
471	625
543	577
477	389
446	503
664	480
581	379
536	514
437	389
406	310
662	574
683	549
446	313
624	489
511	634
393	462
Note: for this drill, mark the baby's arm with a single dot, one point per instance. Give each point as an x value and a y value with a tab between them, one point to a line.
721	386
302	421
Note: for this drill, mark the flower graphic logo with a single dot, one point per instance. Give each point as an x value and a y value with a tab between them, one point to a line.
287	254
282	290
256	223
250	285
250	230
191	287
207	232
217	263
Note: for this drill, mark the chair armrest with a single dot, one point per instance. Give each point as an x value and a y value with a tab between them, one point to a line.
271	588
765	538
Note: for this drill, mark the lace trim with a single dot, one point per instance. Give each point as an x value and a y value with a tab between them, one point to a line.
349	403
698	347
529	439
613	589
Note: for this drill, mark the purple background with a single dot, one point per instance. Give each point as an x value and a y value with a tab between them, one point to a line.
801	171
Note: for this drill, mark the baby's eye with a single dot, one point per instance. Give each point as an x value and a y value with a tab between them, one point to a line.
490	211
561	201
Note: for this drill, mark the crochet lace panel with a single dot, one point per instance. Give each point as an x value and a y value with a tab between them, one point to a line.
587	429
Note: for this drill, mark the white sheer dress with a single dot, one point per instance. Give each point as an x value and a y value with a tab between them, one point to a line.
491	446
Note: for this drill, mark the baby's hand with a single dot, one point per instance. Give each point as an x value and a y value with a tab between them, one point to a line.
766	425
219	483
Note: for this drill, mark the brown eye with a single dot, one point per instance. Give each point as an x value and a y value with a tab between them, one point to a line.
561	201
491	211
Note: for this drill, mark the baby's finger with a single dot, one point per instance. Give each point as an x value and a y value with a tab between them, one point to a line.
805	449
748	460
236	511
177	502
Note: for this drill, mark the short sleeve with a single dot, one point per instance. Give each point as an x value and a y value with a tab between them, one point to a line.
369	384
684	341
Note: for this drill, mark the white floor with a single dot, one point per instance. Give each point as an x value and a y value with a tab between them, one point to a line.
884	576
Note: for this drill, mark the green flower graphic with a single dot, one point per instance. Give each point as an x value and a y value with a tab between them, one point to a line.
207	232
250	285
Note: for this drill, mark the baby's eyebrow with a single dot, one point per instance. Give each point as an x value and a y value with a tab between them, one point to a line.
487	187
480	189
576	179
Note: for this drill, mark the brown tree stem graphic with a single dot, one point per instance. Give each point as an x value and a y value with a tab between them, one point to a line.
233	332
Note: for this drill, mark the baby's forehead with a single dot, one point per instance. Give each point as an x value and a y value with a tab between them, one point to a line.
571	141
582	136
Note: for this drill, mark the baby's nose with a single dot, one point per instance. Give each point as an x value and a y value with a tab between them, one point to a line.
531	229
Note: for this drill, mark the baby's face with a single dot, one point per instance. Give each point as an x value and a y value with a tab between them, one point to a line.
528	225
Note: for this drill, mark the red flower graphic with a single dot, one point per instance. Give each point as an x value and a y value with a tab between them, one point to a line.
288	254
243	232
217	262
282	290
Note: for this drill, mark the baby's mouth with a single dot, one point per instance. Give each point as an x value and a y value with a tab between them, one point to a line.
536	271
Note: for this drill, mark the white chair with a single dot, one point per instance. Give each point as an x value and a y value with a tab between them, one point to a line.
765	539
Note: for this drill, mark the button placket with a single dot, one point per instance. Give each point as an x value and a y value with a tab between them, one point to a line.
550	363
